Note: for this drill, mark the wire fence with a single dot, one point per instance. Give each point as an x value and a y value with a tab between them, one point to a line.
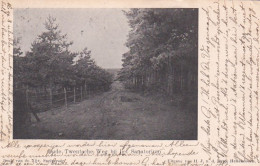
40	100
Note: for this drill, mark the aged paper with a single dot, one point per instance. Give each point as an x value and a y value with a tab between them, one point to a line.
228	95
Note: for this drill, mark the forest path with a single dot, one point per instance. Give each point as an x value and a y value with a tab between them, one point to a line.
118	114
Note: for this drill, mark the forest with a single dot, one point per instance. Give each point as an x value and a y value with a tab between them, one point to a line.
163	52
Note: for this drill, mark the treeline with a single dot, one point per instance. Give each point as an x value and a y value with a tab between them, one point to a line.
50	64
163	51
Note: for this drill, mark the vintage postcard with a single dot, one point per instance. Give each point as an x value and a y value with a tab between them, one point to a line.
147	83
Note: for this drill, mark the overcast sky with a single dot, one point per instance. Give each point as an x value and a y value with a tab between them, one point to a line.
103	31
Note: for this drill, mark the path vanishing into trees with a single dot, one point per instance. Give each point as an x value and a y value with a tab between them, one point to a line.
118	114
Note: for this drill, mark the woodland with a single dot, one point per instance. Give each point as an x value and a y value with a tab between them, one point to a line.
163	52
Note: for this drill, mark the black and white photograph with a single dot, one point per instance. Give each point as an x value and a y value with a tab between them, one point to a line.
105	73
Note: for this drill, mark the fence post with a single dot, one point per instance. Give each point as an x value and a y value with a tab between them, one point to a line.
27	97
65	95
27	103
81	92
85	89
36	94
51	101
74	94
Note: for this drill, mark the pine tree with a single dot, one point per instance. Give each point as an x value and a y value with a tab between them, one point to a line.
49	58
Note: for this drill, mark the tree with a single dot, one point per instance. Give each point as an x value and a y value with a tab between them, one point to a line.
19	64
83	67
89	74
49	58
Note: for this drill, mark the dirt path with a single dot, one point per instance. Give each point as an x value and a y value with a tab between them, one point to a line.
117	114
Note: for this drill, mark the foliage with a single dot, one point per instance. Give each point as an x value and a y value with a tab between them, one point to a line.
162	50
51	64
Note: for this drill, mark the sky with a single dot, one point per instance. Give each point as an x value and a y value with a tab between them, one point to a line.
103	31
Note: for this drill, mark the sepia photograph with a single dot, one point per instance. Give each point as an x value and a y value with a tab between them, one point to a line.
105	73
